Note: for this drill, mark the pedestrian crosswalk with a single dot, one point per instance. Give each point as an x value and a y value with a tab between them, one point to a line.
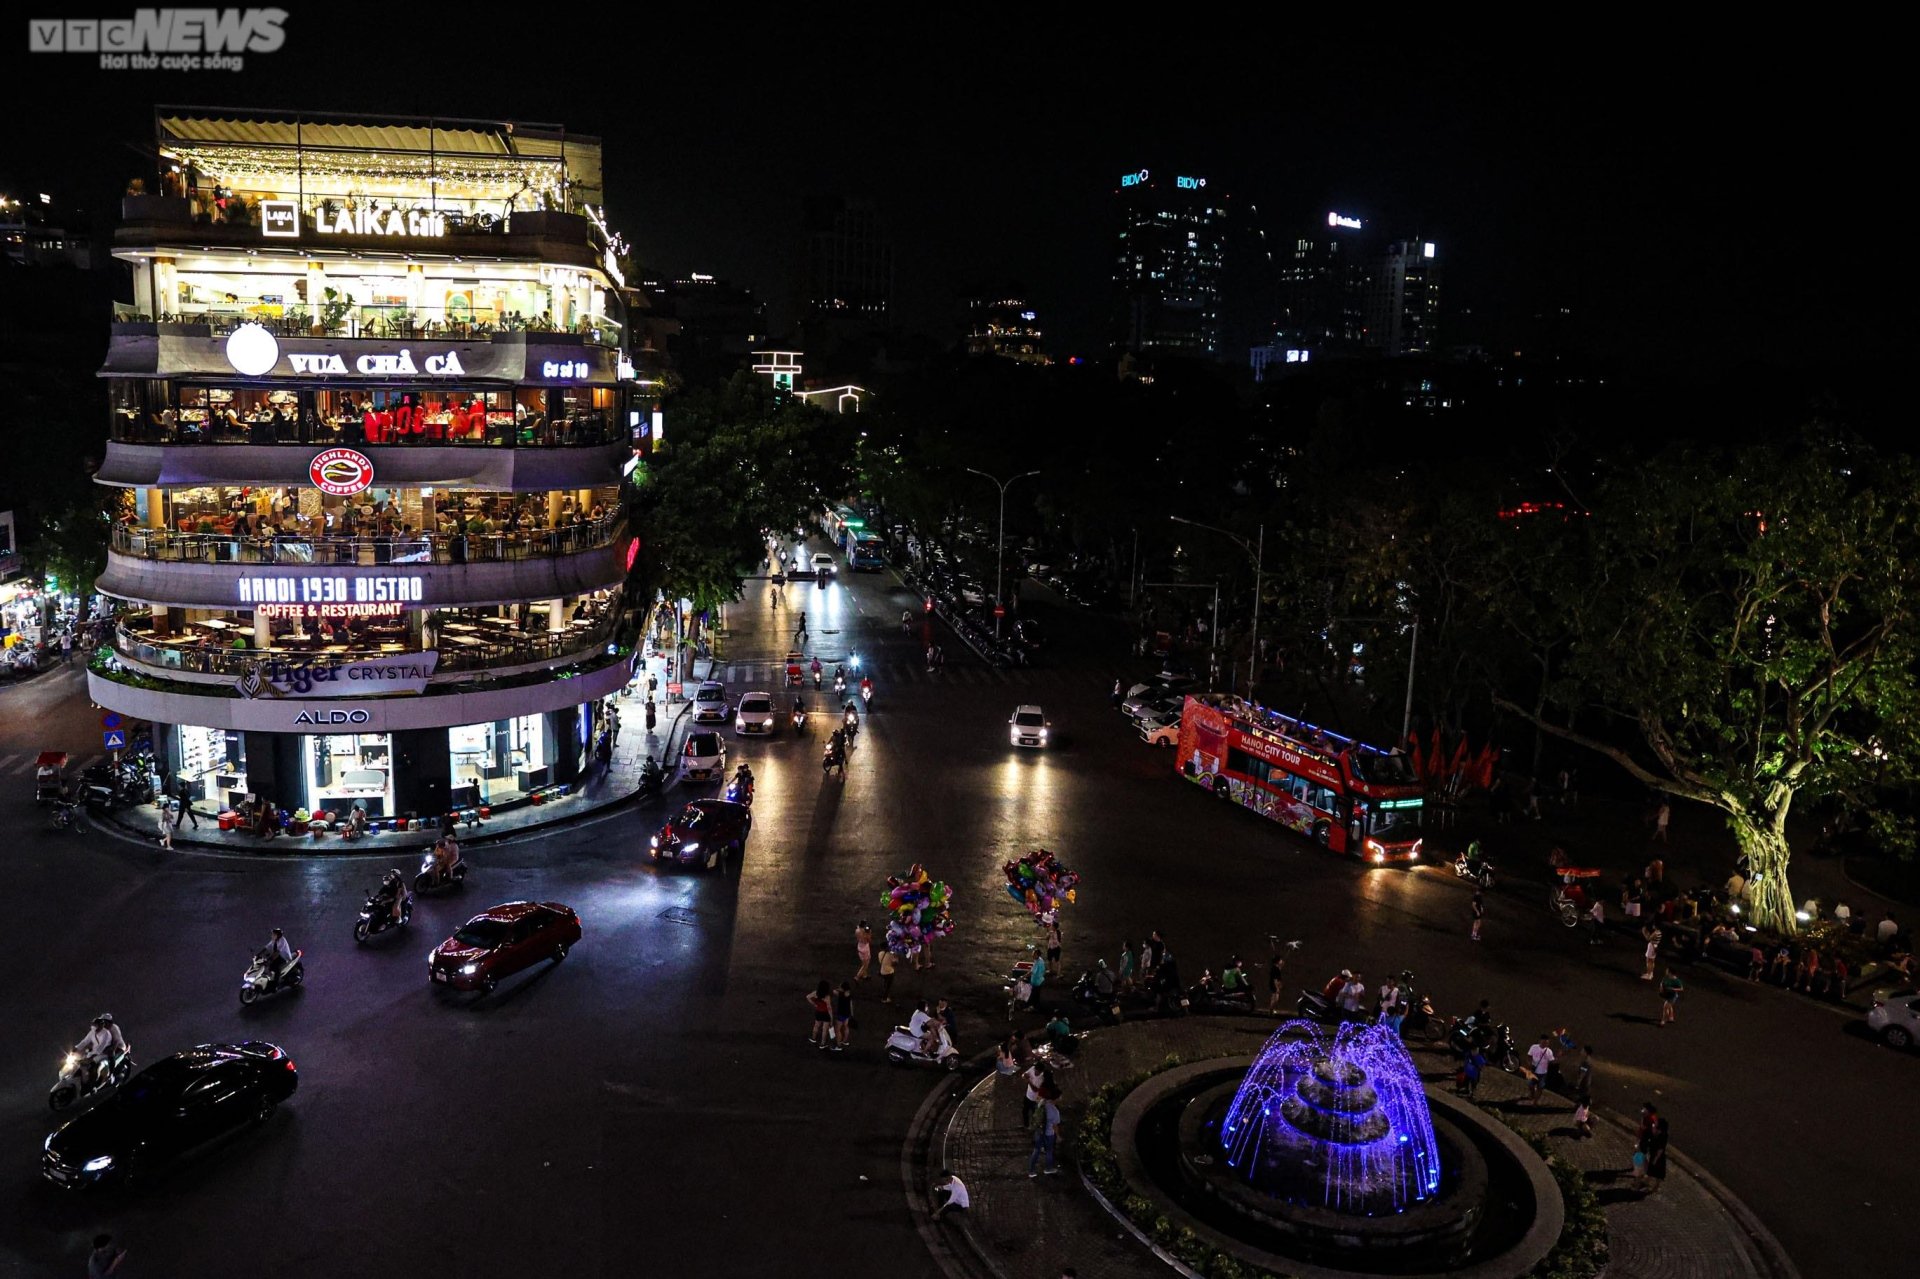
22	764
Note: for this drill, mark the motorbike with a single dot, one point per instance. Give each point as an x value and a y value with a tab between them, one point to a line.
835	757
653	779
852	722
1480	872
866	696
262	979
432	877
377	917
1314	1008
1209	998
64	813
80	1078
1494	1039
740	791
1421	1021
903	1049
816	679
839	685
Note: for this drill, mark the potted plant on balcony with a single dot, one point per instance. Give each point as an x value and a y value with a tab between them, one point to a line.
332	312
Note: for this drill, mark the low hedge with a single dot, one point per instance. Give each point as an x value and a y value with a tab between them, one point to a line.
1580	1253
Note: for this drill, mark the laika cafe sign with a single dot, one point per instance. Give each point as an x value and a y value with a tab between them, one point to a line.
280	219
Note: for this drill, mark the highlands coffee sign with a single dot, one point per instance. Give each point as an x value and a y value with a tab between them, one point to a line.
324	677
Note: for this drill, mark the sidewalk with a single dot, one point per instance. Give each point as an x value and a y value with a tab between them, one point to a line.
603	788
1028	1229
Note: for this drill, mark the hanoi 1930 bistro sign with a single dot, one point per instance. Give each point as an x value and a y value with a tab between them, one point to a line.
331	678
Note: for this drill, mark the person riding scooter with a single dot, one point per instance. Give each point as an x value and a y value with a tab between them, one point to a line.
393	894
101	1044
279	952
815	667
743	780
866	689
446	855
839	679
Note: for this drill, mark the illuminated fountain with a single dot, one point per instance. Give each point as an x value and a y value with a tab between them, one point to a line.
1342	1125
1326	1154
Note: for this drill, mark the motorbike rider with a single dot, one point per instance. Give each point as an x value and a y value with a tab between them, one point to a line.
866	688
446	855
839	679
815	668
393	894
101	1044
1103	980
1233	979
925	1028
1474	859
743	778
851	715
906	621
837	747
279	953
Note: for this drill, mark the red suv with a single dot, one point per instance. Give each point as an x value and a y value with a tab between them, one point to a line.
500	942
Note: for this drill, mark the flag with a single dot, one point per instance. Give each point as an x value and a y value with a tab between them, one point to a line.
1419	762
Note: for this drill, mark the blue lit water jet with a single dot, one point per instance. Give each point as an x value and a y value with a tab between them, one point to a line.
1336	1120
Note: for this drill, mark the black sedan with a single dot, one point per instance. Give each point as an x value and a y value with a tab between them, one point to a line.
172	1107
705	833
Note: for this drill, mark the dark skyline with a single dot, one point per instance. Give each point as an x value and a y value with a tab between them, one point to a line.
1686	213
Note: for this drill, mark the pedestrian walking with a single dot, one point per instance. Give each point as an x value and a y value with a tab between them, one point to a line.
653	716
1476	1061
1037	1081
1276	972
66	648
1119	694
1053	938
1650	1148
821	1001
166	824
1596	920
1661	816
653	687
887	962
1540	1058
1583	1093
950	1195
1156	951
1671	988
105	1258
1651	935
842	1017
1044	1124
863	947
1129	966
183	795
1479	909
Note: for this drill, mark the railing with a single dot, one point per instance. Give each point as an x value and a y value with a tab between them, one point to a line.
519	649
285	548
581	430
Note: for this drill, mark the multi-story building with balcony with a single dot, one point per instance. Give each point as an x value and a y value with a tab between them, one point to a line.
370	414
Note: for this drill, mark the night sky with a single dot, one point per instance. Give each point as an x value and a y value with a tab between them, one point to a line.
1693	205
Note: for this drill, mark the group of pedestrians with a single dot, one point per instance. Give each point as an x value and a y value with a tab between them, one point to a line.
832	1016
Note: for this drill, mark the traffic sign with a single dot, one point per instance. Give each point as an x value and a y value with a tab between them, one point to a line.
114	739
999	610
110	720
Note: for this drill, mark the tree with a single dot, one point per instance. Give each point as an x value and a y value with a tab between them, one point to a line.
1741	629
740	459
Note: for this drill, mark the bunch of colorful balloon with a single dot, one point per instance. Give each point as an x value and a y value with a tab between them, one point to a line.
1039	882
918	909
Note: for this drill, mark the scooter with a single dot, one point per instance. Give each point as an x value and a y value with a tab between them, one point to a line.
839	685
1480	872
866	695
1211	999
903	1049
834	758
377	917
64	813
261	977
653	779
740	792
799	719
1494	1039
852	721
1314	1008
80	1078
431	877
816	679
1420	1021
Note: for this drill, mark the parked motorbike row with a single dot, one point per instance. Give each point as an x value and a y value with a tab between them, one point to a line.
1019	643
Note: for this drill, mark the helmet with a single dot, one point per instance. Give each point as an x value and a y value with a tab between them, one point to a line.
104	1019
278	933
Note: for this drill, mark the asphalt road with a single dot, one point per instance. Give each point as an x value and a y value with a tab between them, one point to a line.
653	1103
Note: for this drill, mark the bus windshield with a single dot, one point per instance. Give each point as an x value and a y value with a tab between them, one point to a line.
1394	823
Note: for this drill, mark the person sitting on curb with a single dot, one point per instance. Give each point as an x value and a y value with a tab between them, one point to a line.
950	1195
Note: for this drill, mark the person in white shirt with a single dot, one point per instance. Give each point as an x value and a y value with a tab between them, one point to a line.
925	1029
1886	930
950	1195
1541	1057
1353	995
102	1043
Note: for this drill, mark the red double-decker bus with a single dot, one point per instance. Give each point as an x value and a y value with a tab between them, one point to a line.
1348	796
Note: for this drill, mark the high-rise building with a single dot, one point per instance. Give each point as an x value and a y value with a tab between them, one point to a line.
1403	298
1323	287
1005	325
713	325
368	420
1167	265
849	263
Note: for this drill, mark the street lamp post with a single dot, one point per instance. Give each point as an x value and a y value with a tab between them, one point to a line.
1257	552
1000	546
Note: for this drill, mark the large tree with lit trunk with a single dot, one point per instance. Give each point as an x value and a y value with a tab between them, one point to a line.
1742	627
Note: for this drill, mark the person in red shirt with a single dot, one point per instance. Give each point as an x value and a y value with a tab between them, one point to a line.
370	424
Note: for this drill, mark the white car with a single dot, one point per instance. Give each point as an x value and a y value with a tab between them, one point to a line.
1028	726
1895	1018
1155	731
704	756
823	565
755	714
710	703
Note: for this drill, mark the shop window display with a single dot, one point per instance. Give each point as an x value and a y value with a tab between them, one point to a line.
345	769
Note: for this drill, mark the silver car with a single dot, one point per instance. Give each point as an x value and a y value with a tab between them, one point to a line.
1896	1017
